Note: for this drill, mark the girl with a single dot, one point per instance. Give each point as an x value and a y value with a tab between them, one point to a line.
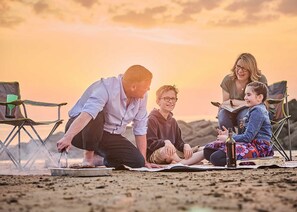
256	138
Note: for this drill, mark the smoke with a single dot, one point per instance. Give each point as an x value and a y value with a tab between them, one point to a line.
35	159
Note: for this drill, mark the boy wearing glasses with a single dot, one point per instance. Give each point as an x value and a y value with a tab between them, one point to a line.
164	142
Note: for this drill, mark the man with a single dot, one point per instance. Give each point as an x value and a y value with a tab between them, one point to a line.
101	115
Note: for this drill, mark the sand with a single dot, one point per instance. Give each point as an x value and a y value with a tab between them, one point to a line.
268	189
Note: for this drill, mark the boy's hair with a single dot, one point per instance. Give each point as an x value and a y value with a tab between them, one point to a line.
164	89
137	73
259	88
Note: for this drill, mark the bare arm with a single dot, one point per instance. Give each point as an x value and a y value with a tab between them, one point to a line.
141	144
235	102
78	124
226	95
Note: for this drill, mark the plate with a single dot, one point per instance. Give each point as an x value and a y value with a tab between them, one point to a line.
84	172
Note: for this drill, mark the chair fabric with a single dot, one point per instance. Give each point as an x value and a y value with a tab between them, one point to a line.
21	122
278	106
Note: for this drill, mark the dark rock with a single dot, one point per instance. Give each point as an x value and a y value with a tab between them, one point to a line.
293	110
198	132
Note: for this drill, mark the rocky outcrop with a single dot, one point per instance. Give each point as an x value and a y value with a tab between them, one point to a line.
195	133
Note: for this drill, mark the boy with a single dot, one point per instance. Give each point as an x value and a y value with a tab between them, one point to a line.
164	141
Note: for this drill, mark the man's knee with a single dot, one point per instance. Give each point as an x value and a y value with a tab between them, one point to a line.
140	162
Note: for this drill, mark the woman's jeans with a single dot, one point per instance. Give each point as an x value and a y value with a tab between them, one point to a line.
231	120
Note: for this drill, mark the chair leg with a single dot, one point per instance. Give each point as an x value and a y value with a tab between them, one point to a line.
279	147
10	155
290	142
42	147
6	143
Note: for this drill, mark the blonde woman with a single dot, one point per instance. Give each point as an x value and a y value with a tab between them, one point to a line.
244	71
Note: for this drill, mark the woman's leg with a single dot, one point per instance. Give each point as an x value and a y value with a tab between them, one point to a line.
240	120
226	119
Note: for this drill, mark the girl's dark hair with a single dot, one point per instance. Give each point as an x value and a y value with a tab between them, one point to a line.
259	88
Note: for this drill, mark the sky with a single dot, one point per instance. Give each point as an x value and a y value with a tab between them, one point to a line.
55	49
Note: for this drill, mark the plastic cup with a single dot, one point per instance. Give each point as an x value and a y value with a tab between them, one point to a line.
10	108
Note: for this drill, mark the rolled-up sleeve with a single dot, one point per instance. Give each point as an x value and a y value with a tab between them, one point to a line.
96	101
140	120
255	122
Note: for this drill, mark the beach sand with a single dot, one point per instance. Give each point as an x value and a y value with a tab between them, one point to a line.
267	189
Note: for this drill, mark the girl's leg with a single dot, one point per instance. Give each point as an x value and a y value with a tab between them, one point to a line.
207	152
218	158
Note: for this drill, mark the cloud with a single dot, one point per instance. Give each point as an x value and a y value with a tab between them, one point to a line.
248	19
191	8
139	15
147	18
41	7
247	12
247	6
194	7
7	19
87	3
288	7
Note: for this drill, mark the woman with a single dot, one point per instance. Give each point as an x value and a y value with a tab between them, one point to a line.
244	71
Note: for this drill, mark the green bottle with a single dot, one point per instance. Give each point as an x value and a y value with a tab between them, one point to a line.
231	150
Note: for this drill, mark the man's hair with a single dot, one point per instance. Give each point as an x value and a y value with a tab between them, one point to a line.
164	89
137	73
259	88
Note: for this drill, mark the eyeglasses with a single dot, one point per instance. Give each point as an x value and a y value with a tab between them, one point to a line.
167	99
243	69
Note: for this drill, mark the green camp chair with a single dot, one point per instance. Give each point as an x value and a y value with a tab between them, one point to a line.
13	112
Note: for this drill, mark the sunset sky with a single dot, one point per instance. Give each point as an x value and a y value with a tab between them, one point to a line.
56	49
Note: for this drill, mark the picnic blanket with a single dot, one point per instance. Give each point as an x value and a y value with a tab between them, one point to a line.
204	167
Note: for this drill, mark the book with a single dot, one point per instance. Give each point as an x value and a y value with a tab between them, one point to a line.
232	109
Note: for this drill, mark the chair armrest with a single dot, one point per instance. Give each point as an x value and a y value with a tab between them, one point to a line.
16	102
217	104
274	101
45	104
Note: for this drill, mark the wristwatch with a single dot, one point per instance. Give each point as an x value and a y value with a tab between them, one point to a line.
231	103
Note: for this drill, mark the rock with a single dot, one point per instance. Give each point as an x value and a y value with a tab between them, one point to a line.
198	132
293	110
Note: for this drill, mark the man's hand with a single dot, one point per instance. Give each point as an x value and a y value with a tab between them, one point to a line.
64	144
188	152
169	148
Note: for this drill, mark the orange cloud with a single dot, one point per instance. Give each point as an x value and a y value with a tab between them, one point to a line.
288	7
147	18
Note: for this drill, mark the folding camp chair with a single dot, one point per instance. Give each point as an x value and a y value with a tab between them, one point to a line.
279	110
11	114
